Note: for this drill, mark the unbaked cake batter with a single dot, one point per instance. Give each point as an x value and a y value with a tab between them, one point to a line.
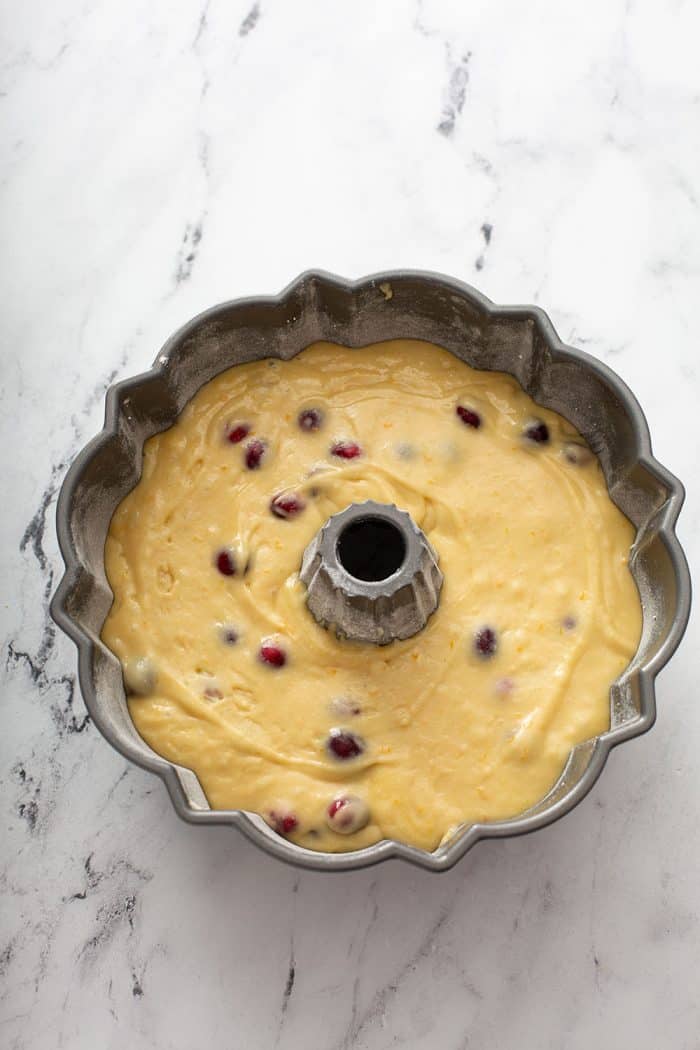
339	744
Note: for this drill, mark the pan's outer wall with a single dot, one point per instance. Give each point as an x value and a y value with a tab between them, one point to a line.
402	304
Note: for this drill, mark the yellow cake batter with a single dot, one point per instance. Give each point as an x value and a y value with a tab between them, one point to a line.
451	725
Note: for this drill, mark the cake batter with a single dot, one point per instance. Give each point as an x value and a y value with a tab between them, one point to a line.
338	744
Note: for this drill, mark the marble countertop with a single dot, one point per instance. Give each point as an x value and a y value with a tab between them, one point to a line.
161	157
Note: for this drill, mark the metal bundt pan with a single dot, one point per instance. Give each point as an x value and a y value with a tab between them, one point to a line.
518	340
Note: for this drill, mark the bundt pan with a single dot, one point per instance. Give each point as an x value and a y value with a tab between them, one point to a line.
405	304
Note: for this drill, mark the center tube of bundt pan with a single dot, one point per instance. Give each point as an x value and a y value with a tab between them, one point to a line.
371	574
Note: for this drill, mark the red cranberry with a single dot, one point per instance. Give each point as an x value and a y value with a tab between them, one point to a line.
283	821
538	432
485	643
225	562
344	744
346	450
469	417
287	505
347	814
272	654
238	432
254	452
310	419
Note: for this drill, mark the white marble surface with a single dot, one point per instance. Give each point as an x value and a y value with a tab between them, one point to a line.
160	157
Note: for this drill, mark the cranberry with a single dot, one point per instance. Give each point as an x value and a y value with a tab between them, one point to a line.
485	641
579	455
347	814
345	705
287	505
272	654
238	432
346	450
469	417
229	635
344	744
283	821
537	432
140	676
254	452
310	419
335	805
225	562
